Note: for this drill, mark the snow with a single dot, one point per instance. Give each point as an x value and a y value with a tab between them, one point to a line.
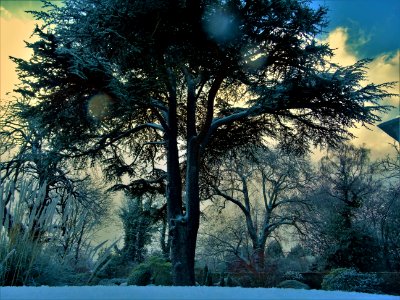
157	292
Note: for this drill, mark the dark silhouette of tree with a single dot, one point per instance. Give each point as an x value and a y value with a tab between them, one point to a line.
177	81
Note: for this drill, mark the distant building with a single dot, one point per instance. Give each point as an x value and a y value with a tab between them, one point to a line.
392	128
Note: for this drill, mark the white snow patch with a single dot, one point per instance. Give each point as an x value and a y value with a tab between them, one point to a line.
191	293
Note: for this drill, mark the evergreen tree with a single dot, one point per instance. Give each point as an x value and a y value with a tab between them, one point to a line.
138	227
205	274
274	250
161	80
209	280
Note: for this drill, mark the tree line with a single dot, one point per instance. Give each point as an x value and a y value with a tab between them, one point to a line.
342	215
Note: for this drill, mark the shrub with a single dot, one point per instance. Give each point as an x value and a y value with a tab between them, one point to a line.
230	282
155	270
291	275
29	263
390	283
48	269
112	281
140	277
313	279
246	280
293	284
118	267
350	280
222	281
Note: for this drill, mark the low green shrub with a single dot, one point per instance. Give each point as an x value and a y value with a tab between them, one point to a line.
292	275
155	271
313	279
246	280
117	267
112	281
344	279
230	282
293	284
390	283
140	277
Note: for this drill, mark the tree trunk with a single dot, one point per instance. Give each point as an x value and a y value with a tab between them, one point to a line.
192	201
165	241
182	256
184	227
258	259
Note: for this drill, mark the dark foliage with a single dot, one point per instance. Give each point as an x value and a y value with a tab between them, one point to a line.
154	270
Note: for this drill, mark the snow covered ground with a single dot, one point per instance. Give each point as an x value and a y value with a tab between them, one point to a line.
180	293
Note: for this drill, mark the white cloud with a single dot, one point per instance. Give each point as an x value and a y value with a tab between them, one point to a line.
384	68
337	40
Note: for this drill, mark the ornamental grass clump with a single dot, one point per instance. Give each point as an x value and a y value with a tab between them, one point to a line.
20	250
32	247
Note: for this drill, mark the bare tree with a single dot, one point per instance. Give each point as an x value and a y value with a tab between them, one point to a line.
223	236
381	212
347	191
268	187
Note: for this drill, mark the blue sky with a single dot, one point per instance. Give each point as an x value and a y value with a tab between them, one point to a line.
373	25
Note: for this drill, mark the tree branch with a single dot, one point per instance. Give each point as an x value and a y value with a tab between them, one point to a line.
110	139
210	106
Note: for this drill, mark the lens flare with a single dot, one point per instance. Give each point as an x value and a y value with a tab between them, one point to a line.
220	25
99	106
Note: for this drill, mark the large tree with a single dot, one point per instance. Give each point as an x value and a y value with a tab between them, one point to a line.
176	81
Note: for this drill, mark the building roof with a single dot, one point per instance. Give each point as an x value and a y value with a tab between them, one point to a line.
392	128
